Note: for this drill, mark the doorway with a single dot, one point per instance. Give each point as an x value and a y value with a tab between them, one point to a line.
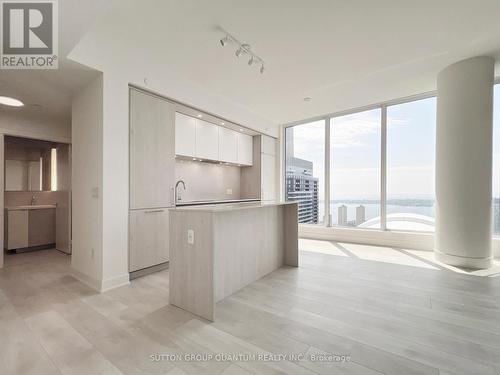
37	196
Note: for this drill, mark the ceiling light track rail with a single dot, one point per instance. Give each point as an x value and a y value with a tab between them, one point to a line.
242	49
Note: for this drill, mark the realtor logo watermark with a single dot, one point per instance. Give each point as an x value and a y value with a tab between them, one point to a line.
29	32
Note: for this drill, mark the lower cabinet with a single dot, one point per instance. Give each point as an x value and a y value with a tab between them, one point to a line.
149	238
16	229
41	227
29	227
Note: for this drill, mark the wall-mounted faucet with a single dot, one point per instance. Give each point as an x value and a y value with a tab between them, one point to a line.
177	198
33	200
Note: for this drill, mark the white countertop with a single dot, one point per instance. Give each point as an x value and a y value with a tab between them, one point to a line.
230	206
33	207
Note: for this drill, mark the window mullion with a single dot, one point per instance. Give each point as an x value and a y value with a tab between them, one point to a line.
327	218
383	169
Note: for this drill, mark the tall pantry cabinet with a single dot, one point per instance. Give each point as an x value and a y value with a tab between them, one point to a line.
152	179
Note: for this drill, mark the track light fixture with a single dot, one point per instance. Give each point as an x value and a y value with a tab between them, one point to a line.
242	48
224	41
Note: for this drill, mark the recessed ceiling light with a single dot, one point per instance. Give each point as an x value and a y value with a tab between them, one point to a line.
11	102
242	130
307	99
222	123
200	116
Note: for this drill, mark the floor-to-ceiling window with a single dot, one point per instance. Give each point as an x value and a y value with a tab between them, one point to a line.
496	161
305	170
381	167
355	141
411	133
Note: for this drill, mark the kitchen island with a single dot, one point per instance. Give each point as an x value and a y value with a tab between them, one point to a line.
217	250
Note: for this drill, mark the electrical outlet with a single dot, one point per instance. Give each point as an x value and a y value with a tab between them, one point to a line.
190	237
229	191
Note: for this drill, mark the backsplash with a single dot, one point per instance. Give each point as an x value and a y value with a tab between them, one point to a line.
206	181
23	198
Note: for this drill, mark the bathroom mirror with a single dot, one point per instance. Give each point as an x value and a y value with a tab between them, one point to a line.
23	175
30	165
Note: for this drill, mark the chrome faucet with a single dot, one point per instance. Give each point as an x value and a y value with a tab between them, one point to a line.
177	198
33	200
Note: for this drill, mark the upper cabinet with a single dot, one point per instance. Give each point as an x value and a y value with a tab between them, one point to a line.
228	145
201	139
152	151
245	149
207	140
185	133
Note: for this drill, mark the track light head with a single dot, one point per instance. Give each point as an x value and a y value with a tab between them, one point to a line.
250	62
224	41
262	69
238	52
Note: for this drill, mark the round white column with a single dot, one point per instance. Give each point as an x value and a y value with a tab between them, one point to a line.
464	163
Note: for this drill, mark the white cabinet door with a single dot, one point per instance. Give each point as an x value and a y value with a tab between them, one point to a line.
268	177
268	145
152	151
228	145
207	140
17	229
245	149
185	132
149	237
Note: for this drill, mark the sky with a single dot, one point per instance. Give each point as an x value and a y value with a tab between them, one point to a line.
355	143
355	152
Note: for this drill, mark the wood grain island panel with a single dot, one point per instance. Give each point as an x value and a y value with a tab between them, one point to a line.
217	250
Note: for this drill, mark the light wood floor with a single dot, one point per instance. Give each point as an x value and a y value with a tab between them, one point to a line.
391	311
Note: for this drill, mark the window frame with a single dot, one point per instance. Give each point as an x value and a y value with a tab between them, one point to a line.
383	157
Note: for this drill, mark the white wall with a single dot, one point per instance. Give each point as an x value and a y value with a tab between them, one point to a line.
87	123
19	124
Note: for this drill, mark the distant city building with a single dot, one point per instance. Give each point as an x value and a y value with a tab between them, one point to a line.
301	186
360	215
342	215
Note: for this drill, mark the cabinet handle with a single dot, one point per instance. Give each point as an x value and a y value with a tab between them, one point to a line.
153	211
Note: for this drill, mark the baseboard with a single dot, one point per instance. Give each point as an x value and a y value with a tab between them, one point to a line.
149	270
87	280
115	282
101	286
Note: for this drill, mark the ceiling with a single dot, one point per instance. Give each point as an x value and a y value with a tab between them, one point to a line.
342	54
47	93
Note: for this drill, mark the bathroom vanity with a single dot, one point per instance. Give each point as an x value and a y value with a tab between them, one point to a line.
30	227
